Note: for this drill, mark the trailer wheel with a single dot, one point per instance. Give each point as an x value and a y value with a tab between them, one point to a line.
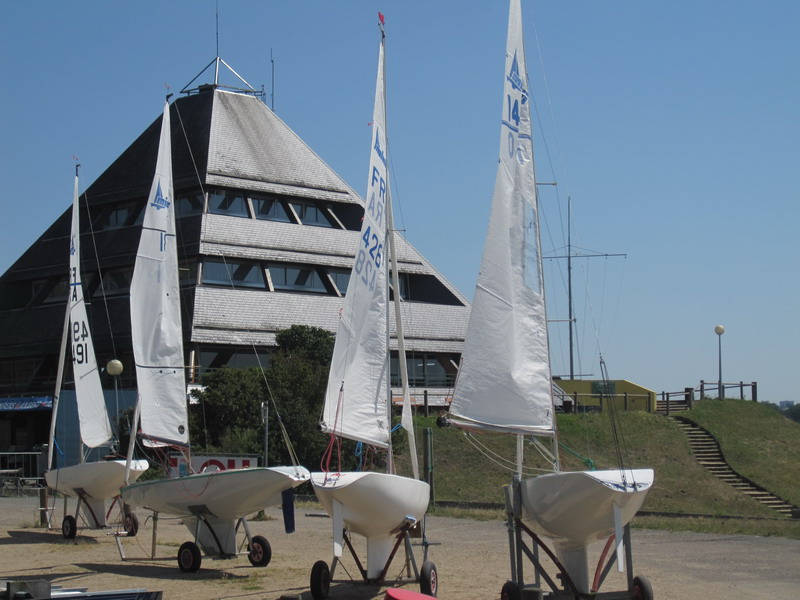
510	591
642	590
131	524
69	527
320	580
259	551
189	557
429	579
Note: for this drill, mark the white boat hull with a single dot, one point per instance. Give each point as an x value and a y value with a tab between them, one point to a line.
230	494
576	508
99	480
93	483
374	505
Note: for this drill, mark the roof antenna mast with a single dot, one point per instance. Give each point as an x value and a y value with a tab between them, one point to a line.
272	95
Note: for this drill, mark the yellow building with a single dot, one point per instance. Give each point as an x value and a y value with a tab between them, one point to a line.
596	395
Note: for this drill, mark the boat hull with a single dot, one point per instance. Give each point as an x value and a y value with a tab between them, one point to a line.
576	507
373	504
99	480
226	495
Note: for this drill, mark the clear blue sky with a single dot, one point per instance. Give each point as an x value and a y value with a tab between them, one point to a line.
673	126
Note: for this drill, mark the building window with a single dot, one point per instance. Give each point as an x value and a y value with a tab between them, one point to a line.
297	278
226	202
232	273
187	274
58	293
340	278
311	214
270	209
115	283
424	370
124	215
189	204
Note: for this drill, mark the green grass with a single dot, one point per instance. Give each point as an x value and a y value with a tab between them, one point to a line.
756	440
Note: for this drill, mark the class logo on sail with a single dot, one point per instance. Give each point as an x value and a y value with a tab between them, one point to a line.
515	78
160	201
378	150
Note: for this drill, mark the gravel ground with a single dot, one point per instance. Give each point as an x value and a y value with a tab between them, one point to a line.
471	559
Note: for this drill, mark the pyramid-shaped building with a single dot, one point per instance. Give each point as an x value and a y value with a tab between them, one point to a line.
267	232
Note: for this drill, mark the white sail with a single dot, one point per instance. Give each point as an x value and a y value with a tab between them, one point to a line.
95	428
92	415
155	311
355	400
504	380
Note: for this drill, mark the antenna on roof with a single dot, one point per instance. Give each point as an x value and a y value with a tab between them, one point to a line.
272	60
217	16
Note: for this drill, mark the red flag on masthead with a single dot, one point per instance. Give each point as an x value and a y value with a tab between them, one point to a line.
380	18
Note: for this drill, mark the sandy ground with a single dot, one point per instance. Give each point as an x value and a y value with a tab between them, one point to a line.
470	556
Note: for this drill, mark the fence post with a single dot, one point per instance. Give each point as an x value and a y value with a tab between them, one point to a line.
427	433
575	401
425	399
665	400
626	401
702	389
755	391
689	395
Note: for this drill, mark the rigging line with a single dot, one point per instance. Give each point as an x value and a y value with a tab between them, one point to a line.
100	275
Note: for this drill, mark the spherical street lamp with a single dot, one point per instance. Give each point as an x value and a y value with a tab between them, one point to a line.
114	367
719	330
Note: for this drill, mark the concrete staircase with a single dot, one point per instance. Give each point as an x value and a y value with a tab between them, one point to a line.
709	455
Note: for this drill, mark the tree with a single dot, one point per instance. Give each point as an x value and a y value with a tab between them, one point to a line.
227	417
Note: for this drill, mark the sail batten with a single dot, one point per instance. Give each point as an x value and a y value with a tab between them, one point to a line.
155	311
504	381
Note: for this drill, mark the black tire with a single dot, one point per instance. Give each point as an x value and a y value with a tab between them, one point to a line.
510	591
69	527
131	523
429	579
189	557
259	552
320	580
642	590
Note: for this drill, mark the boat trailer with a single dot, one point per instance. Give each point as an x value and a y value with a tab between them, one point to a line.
427	576
216	537
638	588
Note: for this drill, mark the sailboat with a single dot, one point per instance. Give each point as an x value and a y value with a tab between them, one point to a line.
212	504
504	382
382	507
92	483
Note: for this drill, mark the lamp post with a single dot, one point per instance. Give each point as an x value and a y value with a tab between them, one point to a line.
114	368
719	330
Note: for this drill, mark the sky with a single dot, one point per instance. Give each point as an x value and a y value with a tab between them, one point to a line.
672	129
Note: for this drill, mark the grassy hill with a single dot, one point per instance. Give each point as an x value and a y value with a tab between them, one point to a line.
757	441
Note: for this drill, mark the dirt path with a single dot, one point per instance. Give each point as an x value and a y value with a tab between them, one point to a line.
470	556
